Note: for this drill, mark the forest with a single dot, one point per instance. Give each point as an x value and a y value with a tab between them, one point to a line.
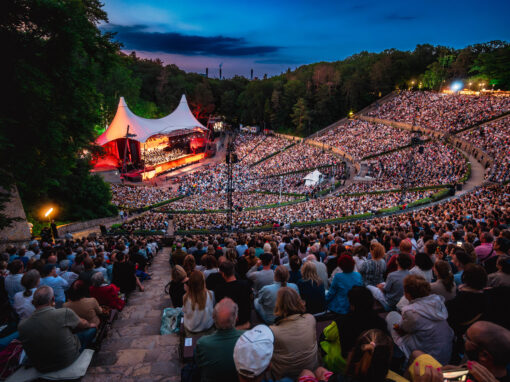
64	77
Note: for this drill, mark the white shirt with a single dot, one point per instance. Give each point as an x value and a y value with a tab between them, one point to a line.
199	320
23	305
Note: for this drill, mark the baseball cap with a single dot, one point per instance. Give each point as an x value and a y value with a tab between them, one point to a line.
253	351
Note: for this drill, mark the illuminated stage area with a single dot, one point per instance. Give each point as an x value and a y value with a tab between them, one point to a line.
141	148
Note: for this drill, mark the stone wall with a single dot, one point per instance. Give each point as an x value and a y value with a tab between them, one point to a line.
18	232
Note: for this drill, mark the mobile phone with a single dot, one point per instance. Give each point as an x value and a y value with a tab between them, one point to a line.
459	374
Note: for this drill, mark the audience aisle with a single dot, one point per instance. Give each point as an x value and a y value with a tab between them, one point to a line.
134	350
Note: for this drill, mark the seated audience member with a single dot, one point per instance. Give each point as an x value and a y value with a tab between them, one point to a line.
66	274
423	266
311	289
198	305
265	302
263	277
237	290
445	284
105	294
252	354
211	265
368	361
322	269
47	335
423	324
501	278
88	271
295	269
487	347
390	292
469	304
176	286
57	283
336	297
12	281
214	353
23	300
189	264
485	253
360	317
124	274
85	307
373	269
178	255
460	259
406	247
295	342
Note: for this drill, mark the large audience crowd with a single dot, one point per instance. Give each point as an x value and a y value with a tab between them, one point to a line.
494	139
133	197
442	112
252	148
437	164
406	297
296	158
58	298
311	210
361	139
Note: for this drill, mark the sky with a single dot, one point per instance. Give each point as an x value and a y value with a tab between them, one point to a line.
270	36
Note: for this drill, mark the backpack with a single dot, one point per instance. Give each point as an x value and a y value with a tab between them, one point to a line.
9	358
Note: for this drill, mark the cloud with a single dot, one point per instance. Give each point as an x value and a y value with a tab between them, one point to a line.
397	17
139	37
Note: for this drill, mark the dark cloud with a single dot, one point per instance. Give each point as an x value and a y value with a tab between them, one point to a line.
397	17
280	61
138	37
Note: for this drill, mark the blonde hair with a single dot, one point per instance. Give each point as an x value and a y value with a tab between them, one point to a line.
377	251
309	272
288	303
197	292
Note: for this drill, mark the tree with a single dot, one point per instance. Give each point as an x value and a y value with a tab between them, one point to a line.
54	58
300	116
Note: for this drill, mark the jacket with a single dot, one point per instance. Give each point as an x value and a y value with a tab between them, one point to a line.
425	322
295	346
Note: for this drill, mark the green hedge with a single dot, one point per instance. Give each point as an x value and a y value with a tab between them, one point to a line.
391	151
302	170
467	175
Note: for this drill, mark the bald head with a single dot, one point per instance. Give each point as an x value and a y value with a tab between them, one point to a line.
225	314
493	338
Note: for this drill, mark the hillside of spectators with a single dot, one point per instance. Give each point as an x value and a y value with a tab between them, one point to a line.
132	197
447	113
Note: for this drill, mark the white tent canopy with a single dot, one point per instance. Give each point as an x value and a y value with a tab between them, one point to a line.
313	178
181	119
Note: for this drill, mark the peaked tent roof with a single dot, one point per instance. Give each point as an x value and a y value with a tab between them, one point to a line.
144	128
181	119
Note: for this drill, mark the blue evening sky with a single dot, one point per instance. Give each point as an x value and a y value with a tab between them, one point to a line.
273	35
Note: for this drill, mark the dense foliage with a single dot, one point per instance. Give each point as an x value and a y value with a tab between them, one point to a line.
63	77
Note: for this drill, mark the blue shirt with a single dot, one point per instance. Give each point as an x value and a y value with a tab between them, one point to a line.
58	284
267	300
13	285
458	277
336	298
241	249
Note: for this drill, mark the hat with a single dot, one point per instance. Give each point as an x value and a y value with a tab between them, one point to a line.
180	272
253	351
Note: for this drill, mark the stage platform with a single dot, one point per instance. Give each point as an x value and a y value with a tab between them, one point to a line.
163	167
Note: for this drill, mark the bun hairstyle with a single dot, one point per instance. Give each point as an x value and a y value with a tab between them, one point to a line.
369	360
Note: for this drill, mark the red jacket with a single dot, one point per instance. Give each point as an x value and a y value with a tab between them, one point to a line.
107	295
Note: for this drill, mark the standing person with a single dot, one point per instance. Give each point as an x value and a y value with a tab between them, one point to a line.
198	305
336	297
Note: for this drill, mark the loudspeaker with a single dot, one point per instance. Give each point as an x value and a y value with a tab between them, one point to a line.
421	149
459	187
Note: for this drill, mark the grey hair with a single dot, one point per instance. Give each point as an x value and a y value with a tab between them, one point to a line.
43	296
225	314
97	279
64	265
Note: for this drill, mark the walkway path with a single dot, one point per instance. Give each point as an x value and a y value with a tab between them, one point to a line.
134	350
477	175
